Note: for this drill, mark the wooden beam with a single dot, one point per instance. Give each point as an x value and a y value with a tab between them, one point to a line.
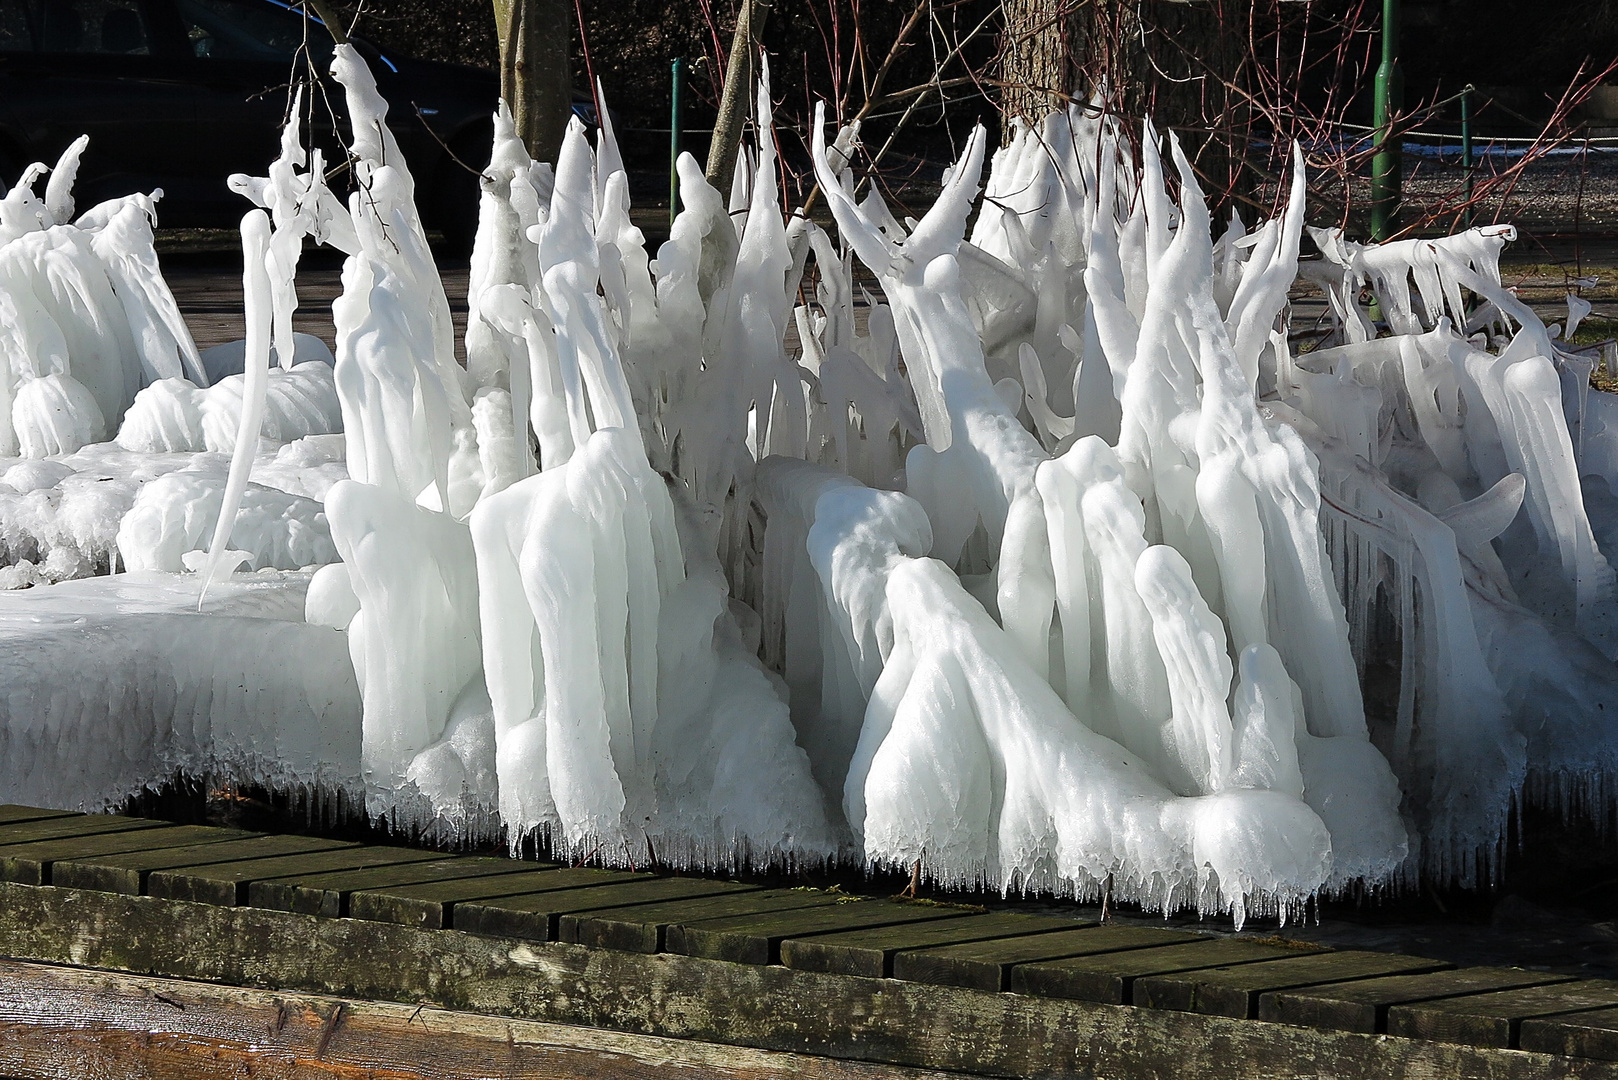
1363	1005
430	906
11	812
128	873
67	1023
762	1007
30	864
1235	991
987	965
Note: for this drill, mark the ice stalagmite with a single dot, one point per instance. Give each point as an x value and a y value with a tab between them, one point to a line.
1049	559
1068	539
406	560
625	706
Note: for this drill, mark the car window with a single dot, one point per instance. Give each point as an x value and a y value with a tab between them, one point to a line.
251	30
115	27
19	21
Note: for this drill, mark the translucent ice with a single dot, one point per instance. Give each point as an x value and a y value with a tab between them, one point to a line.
1039	557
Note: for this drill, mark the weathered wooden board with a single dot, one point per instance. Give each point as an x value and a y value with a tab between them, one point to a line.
1582	1034
537	916
757	939
1235	991
871	952
127	873
641	928
228	883
1494	1019
10	813
832	1000
1363	1005
1110	977
68	1024
764	1007
327	894
987	965
31	864
31	832
432	906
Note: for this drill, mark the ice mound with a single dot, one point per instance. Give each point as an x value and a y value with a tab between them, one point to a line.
54	414
177	512
173	416
60	518
299	401
452	772
165	418
1045	564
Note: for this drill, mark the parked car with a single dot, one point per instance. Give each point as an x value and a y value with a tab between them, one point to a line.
179	94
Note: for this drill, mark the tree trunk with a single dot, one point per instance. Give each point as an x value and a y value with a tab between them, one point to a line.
1182	62
1198	56
536	72
741	74
1037	60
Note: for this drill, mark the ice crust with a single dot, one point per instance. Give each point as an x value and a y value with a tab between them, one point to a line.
1045	566
242	690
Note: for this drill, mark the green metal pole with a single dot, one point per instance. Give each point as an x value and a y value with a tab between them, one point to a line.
1385	166
676	123
1466	150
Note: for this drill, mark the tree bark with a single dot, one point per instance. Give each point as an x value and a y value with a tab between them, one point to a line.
1181	62
741	73
536	71
1038	61
1192	86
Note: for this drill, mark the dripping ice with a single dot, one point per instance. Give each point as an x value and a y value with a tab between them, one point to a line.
1045	565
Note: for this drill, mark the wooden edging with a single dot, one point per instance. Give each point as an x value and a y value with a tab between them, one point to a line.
667	996
63	1023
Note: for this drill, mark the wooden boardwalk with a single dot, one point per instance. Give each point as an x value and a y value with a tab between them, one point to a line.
142	948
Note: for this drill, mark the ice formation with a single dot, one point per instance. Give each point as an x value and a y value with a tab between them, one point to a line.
1045	565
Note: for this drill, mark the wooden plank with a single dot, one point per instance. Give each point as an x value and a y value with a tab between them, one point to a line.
327	894
128	873
66	1024
987	965
1363	1005
763	1007
1495	1018
227	883
31	832
30	864
1235	991
12	813
1582	1034
757	939
1109	977
642	928
871	952
536	916
432	906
